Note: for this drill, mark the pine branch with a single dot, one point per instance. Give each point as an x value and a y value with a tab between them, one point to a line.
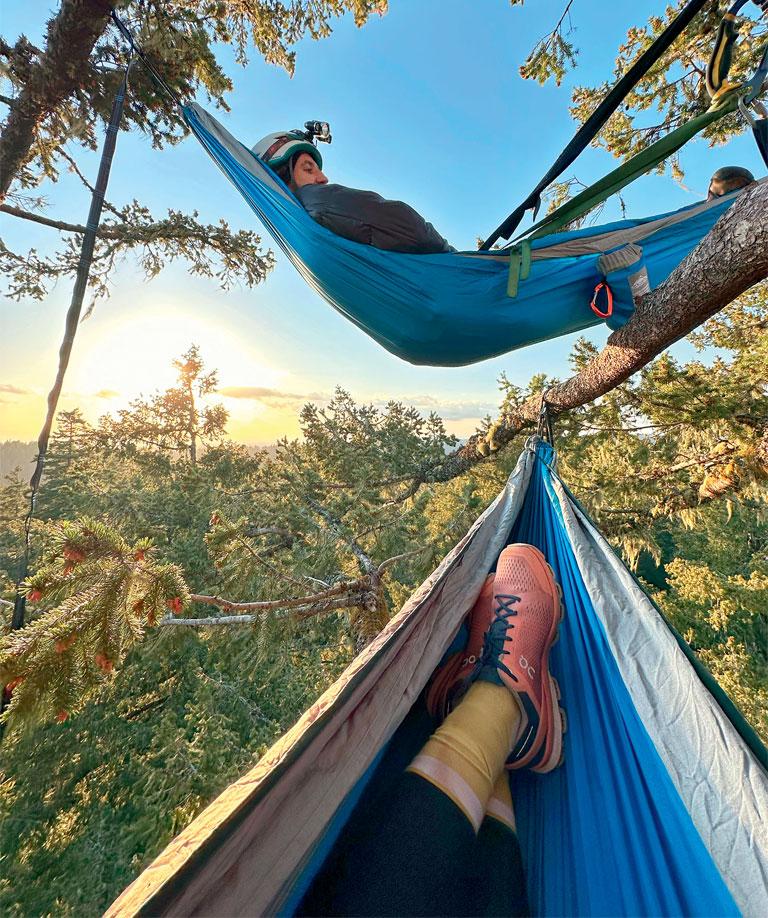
212	250
337	527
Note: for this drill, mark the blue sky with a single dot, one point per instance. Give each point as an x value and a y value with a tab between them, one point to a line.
426	105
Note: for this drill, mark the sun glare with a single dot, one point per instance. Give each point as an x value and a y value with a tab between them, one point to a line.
116	363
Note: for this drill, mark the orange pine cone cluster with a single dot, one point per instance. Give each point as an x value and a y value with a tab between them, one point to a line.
35	595
175	605
62	716
104	663
75	555
13	683
140	555
65	643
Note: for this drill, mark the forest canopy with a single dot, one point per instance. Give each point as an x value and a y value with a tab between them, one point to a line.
119	693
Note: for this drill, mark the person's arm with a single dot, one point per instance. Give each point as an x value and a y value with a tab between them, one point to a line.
366	217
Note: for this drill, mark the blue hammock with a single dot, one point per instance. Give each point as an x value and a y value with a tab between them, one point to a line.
661	805
451	309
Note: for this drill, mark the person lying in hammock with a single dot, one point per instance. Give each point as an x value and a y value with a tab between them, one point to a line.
728	179
442	840
362	216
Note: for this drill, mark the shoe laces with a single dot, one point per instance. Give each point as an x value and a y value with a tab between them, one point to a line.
493	647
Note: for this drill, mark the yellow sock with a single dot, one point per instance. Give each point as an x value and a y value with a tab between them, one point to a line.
500	804
466	754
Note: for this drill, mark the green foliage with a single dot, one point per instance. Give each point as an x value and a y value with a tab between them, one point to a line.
104	593
672	465
554	55
674	90
185	716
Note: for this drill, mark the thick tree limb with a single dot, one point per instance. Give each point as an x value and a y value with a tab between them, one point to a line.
730	259
60	71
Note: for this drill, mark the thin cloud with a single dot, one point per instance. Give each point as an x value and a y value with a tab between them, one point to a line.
106	393
459	410
273	398
14	390
256	393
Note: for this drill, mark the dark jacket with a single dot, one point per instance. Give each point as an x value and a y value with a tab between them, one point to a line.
366	217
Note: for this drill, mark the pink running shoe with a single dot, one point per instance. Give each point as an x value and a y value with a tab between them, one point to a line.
528	611
451	680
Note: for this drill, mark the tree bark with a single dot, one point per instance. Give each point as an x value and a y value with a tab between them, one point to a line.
62	69
730	259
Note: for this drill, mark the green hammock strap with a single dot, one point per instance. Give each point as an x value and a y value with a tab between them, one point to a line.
519	266
627	172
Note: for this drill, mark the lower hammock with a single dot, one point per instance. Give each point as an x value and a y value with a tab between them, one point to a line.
661	806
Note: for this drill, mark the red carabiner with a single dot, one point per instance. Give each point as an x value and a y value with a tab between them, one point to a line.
609	295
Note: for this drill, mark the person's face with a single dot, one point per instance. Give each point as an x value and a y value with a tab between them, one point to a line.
307	172
717	188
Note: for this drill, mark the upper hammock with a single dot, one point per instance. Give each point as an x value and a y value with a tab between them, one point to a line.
456	309
660	807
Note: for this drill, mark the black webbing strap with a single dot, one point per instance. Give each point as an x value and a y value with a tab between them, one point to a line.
70	328
142	55
544	427
760	133
591	127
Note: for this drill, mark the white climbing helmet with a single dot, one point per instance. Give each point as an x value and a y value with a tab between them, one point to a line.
278	148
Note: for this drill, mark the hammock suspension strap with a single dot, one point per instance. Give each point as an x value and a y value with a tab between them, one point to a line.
724	100
544	428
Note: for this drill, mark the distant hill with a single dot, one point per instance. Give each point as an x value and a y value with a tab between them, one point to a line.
16	454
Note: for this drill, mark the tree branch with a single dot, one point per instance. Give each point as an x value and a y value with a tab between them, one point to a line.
347	586
157	231
58	73
344	602
336	526
76	169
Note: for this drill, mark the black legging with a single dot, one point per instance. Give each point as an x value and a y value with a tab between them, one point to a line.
415	853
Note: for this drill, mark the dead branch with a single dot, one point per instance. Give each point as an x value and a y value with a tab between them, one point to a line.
354	600
347	586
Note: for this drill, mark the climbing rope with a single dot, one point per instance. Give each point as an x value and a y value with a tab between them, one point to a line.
70	329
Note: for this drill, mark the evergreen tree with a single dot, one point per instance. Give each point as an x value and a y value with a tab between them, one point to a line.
173	423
